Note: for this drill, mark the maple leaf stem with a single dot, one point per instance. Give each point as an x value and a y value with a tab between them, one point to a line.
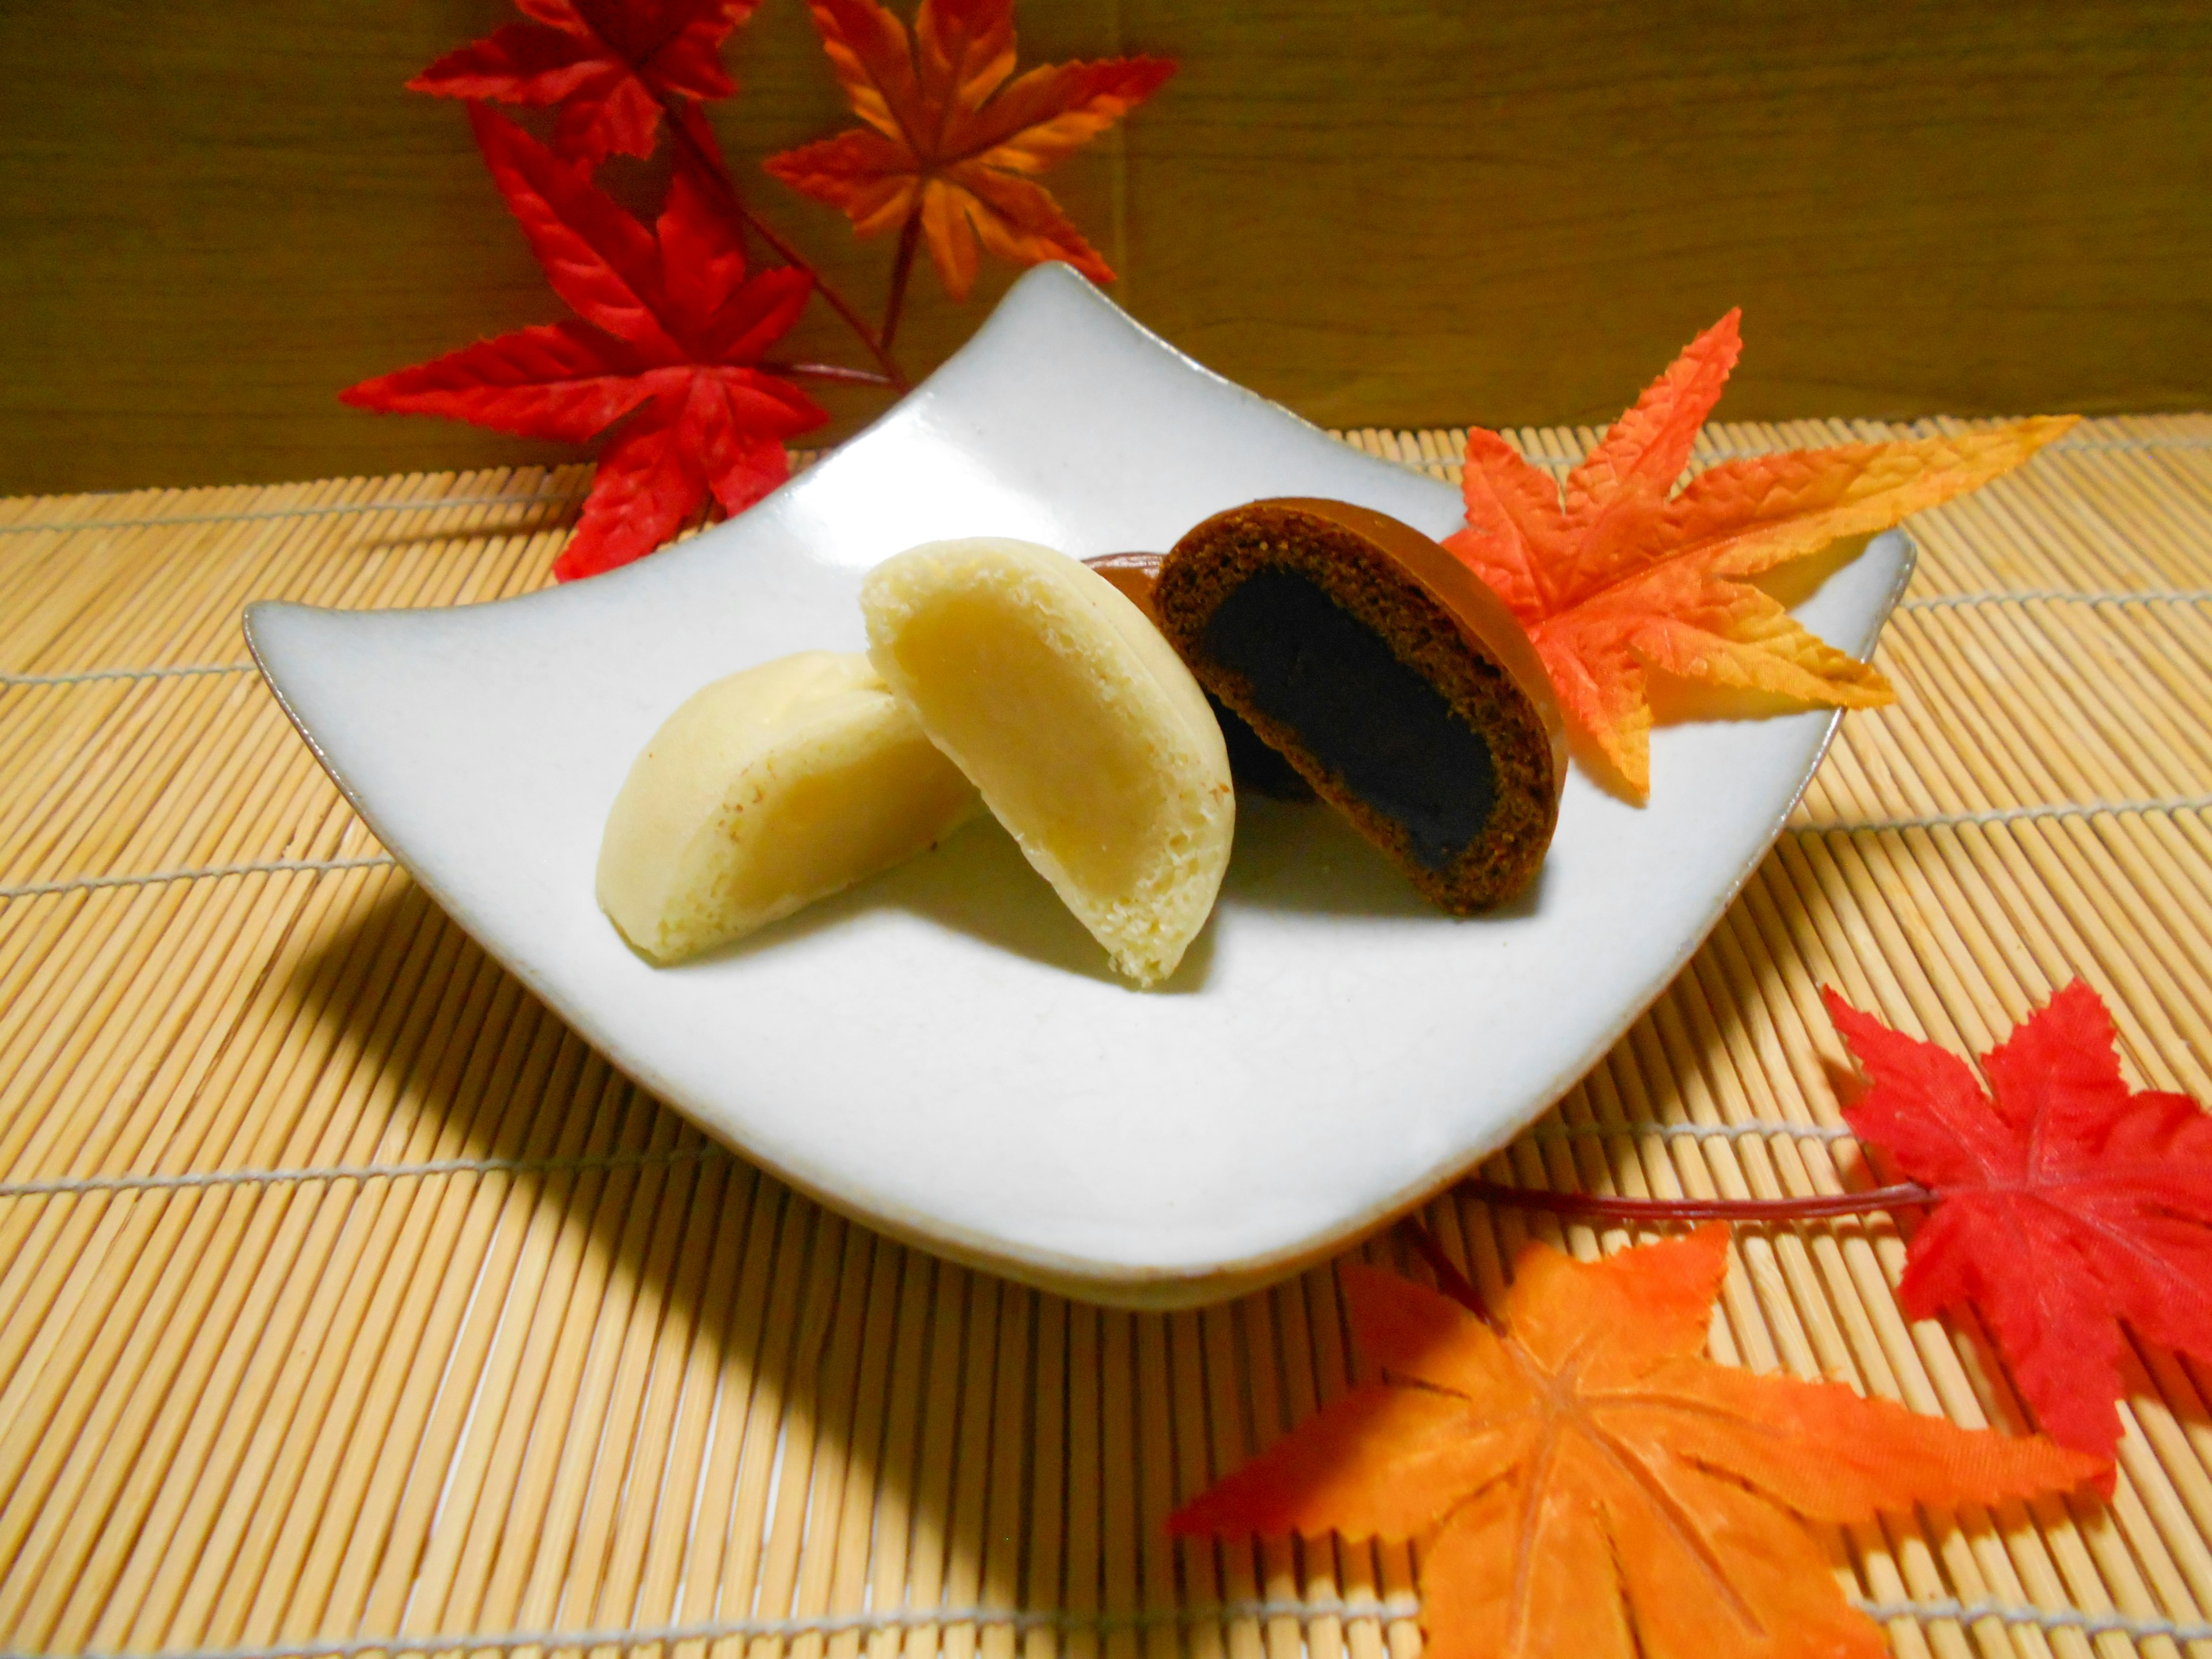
1454	1283
1597	1206
902	268
825	372
710	169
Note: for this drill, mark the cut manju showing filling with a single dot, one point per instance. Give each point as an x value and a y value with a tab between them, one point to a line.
1077	724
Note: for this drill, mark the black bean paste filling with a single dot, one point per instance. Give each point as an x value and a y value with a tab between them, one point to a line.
1251	762
1359	710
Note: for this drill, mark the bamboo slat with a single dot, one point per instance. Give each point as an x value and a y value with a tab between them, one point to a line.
349	1304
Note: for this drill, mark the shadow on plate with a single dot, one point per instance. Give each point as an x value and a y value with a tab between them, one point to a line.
1288	857
1305	858
1798	580
977	883
1676	701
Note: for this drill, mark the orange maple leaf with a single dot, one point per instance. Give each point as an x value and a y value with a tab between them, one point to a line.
950	141
1584	1483
1621	575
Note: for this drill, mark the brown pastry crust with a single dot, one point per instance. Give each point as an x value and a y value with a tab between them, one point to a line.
1439	620
1133	573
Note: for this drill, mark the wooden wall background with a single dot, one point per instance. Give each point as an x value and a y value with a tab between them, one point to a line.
214	213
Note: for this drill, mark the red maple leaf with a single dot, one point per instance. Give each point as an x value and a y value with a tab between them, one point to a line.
672	330
608	65
2067	1202
951	142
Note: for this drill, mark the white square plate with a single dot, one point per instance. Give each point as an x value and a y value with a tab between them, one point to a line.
943	1052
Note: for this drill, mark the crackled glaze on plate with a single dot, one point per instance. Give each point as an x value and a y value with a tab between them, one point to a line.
943	1052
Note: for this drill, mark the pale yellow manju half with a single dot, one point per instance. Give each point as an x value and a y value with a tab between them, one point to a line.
1086	735
765	792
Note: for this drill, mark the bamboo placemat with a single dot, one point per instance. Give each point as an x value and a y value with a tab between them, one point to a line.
349	1305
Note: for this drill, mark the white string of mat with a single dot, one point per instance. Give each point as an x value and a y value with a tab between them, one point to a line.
1920	430
2092	1624
204	872
1999	815
1395	1610
564	498
182	1181
66	1186
252	515
1703	458
81	676
1548	1131
2176	441
2062	596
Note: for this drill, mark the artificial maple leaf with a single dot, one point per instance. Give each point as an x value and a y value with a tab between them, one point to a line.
1585	1483
2066	1202
670	330
950	139
608	65
1621	575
